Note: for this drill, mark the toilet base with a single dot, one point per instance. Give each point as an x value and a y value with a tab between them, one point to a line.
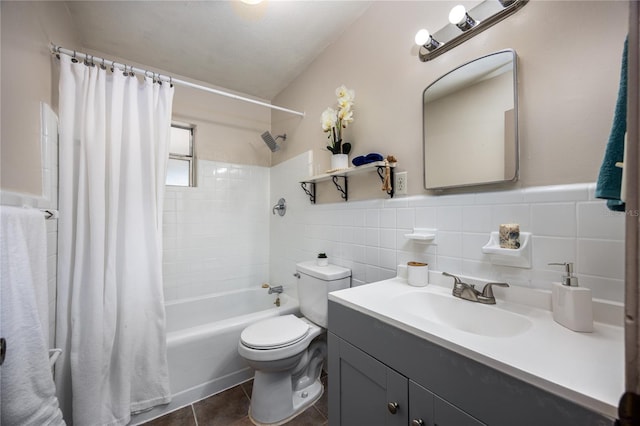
299	402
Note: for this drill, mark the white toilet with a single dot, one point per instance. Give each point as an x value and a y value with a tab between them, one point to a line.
287	352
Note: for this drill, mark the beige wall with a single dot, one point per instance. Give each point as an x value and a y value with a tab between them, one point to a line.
226	130
28	78
569	58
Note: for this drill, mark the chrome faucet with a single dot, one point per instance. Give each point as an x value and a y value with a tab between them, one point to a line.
277	289
468	291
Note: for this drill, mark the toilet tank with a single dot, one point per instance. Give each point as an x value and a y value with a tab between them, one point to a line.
314	284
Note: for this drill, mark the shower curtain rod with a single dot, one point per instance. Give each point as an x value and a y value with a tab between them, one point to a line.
102	61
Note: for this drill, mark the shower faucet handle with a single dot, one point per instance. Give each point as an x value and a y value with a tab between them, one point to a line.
281	207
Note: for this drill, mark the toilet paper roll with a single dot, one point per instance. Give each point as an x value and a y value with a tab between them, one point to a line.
417	274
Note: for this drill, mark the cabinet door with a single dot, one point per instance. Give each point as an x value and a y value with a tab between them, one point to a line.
427	409
364	391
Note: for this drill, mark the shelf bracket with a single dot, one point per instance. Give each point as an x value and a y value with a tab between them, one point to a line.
311	191
380	170
344	190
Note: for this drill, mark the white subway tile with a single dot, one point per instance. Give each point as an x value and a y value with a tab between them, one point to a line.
595	220
425	217
449	218
372	218
554	219
388	218
472	246
405	218
388	259
477	219
449	244
388	238
372	237
511	213
602	258
557	193
500	197
547	250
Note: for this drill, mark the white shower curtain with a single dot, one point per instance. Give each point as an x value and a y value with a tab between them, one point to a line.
114	135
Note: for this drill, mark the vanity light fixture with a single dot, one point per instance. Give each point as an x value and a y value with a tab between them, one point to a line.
423	38
476	20
461	19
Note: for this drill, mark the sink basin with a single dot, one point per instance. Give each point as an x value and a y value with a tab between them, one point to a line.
470	317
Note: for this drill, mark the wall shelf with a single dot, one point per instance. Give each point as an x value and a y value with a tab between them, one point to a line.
340	179
520	257
423	235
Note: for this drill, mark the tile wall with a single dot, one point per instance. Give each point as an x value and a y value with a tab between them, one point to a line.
216	235
48	200
568	225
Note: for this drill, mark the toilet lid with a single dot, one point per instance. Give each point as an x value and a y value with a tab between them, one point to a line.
276	332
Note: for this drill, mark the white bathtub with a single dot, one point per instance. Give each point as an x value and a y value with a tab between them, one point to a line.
202	341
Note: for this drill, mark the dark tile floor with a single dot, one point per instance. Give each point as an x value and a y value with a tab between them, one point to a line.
231	408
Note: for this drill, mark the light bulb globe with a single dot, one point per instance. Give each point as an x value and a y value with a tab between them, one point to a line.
422	37
457	14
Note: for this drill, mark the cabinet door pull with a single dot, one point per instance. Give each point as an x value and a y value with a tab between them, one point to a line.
393	407
417	422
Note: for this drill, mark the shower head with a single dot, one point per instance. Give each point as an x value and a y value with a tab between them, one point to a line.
271	142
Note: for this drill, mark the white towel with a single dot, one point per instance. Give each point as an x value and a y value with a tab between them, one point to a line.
27	391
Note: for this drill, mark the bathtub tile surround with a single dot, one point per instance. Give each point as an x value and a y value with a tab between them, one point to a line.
567	222
216	235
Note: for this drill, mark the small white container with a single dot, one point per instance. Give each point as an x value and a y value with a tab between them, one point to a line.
417	274
322	261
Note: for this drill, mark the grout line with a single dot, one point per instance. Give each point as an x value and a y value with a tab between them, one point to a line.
193	410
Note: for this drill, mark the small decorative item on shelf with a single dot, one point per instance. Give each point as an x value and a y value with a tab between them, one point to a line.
386	182
322	259
333	121
510	236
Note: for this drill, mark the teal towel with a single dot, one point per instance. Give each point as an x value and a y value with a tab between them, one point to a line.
610	177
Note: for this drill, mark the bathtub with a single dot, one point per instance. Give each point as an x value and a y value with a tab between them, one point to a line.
202	341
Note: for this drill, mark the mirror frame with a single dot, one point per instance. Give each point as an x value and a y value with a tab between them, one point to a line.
515	125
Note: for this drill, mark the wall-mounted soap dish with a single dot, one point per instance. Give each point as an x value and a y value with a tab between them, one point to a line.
520	257
423	235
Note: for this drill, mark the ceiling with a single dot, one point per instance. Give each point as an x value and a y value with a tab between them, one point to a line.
253	49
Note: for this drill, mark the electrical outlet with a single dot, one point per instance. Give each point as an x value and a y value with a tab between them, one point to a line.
400	184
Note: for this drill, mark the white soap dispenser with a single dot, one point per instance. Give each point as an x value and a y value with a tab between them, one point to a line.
572	305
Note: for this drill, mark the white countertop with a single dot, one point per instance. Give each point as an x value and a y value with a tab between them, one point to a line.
586	368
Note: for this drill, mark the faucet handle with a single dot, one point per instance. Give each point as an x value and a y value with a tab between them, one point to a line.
487	290
456	279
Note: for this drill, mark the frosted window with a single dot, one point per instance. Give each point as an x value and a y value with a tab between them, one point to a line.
178	172
180	141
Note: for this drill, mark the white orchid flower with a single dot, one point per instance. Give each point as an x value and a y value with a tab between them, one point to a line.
329	119
345	94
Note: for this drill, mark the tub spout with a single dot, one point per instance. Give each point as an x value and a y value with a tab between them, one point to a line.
277	289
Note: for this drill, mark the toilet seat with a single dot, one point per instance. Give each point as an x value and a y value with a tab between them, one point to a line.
274	333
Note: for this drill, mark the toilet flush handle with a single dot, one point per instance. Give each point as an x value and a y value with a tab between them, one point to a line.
297	275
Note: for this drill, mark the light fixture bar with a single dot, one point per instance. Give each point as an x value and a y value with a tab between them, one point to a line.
486	14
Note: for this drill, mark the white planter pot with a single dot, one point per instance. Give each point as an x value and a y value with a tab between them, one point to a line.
339	161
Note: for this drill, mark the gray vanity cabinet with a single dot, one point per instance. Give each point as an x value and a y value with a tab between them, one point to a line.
367	391
427	409
376	369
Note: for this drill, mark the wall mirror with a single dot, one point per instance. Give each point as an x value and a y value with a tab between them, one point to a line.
470	124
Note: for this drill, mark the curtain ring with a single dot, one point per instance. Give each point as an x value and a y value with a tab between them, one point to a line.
73	58
103	67
125	70
160	79
170	81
